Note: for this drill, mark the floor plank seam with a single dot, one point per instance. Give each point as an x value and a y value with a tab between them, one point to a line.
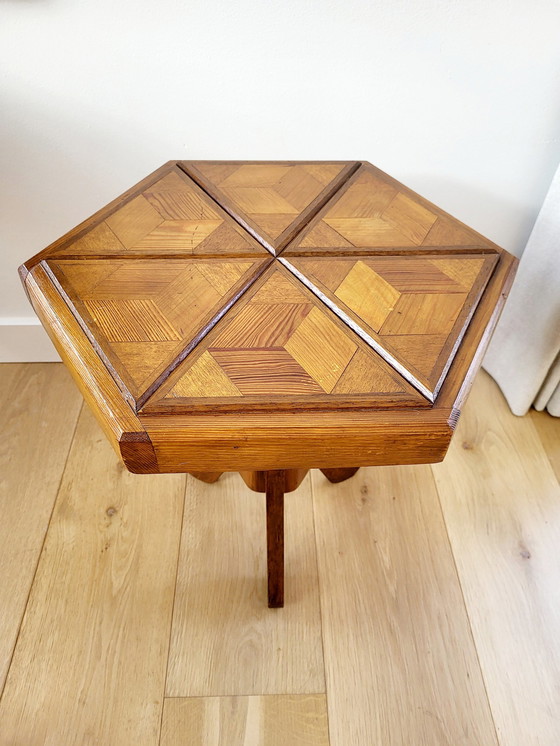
326	693
164	697
40	553
459	581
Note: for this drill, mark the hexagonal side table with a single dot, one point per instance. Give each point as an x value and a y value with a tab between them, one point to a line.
269	318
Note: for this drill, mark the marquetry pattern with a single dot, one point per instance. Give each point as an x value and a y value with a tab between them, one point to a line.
374	212
143	315
281	344
187	292
268	198
172	217
413	309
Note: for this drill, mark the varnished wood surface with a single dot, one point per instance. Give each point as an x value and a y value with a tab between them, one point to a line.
123	429
296	441
87	663
257	480
281	348
275	537
168	303
143	317
416	308
373	210
339	475
272	200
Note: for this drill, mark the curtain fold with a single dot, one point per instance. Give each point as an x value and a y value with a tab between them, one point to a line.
524	354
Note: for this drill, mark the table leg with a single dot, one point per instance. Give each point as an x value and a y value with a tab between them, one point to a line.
275	481
206	476
339	475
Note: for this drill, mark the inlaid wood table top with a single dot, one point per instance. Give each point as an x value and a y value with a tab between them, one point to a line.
264	315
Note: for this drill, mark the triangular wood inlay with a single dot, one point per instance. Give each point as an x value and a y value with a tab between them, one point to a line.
143	315
281	347
272	200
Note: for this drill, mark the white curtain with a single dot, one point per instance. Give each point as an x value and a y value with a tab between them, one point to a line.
524	354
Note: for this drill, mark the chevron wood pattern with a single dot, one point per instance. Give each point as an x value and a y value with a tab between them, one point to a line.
281	346
143	315
269	198
374	212
267	290
416	308
171	217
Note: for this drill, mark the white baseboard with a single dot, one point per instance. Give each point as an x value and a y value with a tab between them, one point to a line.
23	340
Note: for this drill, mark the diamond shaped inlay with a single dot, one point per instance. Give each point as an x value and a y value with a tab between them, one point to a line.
273	285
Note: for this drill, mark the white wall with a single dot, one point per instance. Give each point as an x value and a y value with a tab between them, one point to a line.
460	99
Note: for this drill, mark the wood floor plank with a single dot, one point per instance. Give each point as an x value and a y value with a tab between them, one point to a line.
501	503
225	641
90	661
37	434
548	428
400	661
284	720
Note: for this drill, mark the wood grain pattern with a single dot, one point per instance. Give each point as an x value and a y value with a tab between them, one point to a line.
142	316
416	308
285	720
374	212
121	426
170	304
170	217
501	499
271	354
501	505
225	641
91	656
37	430
401	665
210	442
272	200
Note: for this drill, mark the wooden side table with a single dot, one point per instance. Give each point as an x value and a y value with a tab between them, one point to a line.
269	318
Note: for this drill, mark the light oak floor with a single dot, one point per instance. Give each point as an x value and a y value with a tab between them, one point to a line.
422	603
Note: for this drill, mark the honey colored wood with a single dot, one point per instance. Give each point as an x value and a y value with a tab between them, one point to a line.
256	480
373	211
167	216
501	500
95	219
339	475
90	660
414	309
272	355
121	426
401	665
273	200
37	433
189	314
143	317
209	477
296	441
288	720
225	641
